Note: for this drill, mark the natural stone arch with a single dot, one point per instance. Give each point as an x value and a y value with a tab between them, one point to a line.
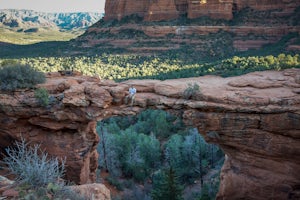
254	118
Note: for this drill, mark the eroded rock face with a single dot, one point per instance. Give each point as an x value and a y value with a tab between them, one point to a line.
254	118
238	25
171	9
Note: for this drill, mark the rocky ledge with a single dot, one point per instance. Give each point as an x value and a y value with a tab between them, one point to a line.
254	118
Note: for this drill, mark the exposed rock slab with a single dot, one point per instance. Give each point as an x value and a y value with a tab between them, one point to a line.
254	118
89	191
93	191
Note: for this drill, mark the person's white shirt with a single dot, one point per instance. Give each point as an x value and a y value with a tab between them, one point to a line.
132	91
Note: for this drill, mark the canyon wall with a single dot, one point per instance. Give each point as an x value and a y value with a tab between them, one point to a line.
212	28
159	10
254	118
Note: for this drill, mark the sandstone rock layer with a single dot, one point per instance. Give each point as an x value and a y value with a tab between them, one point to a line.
171	9
254	118
210	27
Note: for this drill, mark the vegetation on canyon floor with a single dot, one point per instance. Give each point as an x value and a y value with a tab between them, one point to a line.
155	149
149	156
123	67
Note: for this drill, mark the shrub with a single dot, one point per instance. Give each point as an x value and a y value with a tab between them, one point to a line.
114	182
190	90
33	166
19	76
42	95
8	62
37	175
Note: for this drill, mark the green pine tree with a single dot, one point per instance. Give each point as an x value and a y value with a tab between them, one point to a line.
166	186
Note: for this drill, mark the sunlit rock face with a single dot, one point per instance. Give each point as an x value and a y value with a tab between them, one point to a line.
159	10
254	118
215	26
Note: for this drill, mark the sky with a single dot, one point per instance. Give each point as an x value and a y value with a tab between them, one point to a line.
55	5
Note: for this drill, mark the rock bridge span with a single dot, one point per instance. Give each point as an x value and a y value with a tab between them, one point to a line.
254	118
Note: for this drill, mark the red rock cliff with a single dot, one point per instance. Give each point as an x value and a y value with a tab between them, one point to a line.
254	118
222	27
158	10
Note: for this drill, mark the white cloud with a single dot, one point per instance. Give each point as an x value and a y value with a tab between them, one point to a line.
55	5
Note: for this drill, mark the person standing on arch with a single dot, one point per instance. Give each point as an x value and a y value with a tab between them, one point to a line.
131	96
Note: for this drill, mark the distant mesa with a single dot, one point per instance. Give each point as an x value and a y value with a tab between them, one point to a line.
28	19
